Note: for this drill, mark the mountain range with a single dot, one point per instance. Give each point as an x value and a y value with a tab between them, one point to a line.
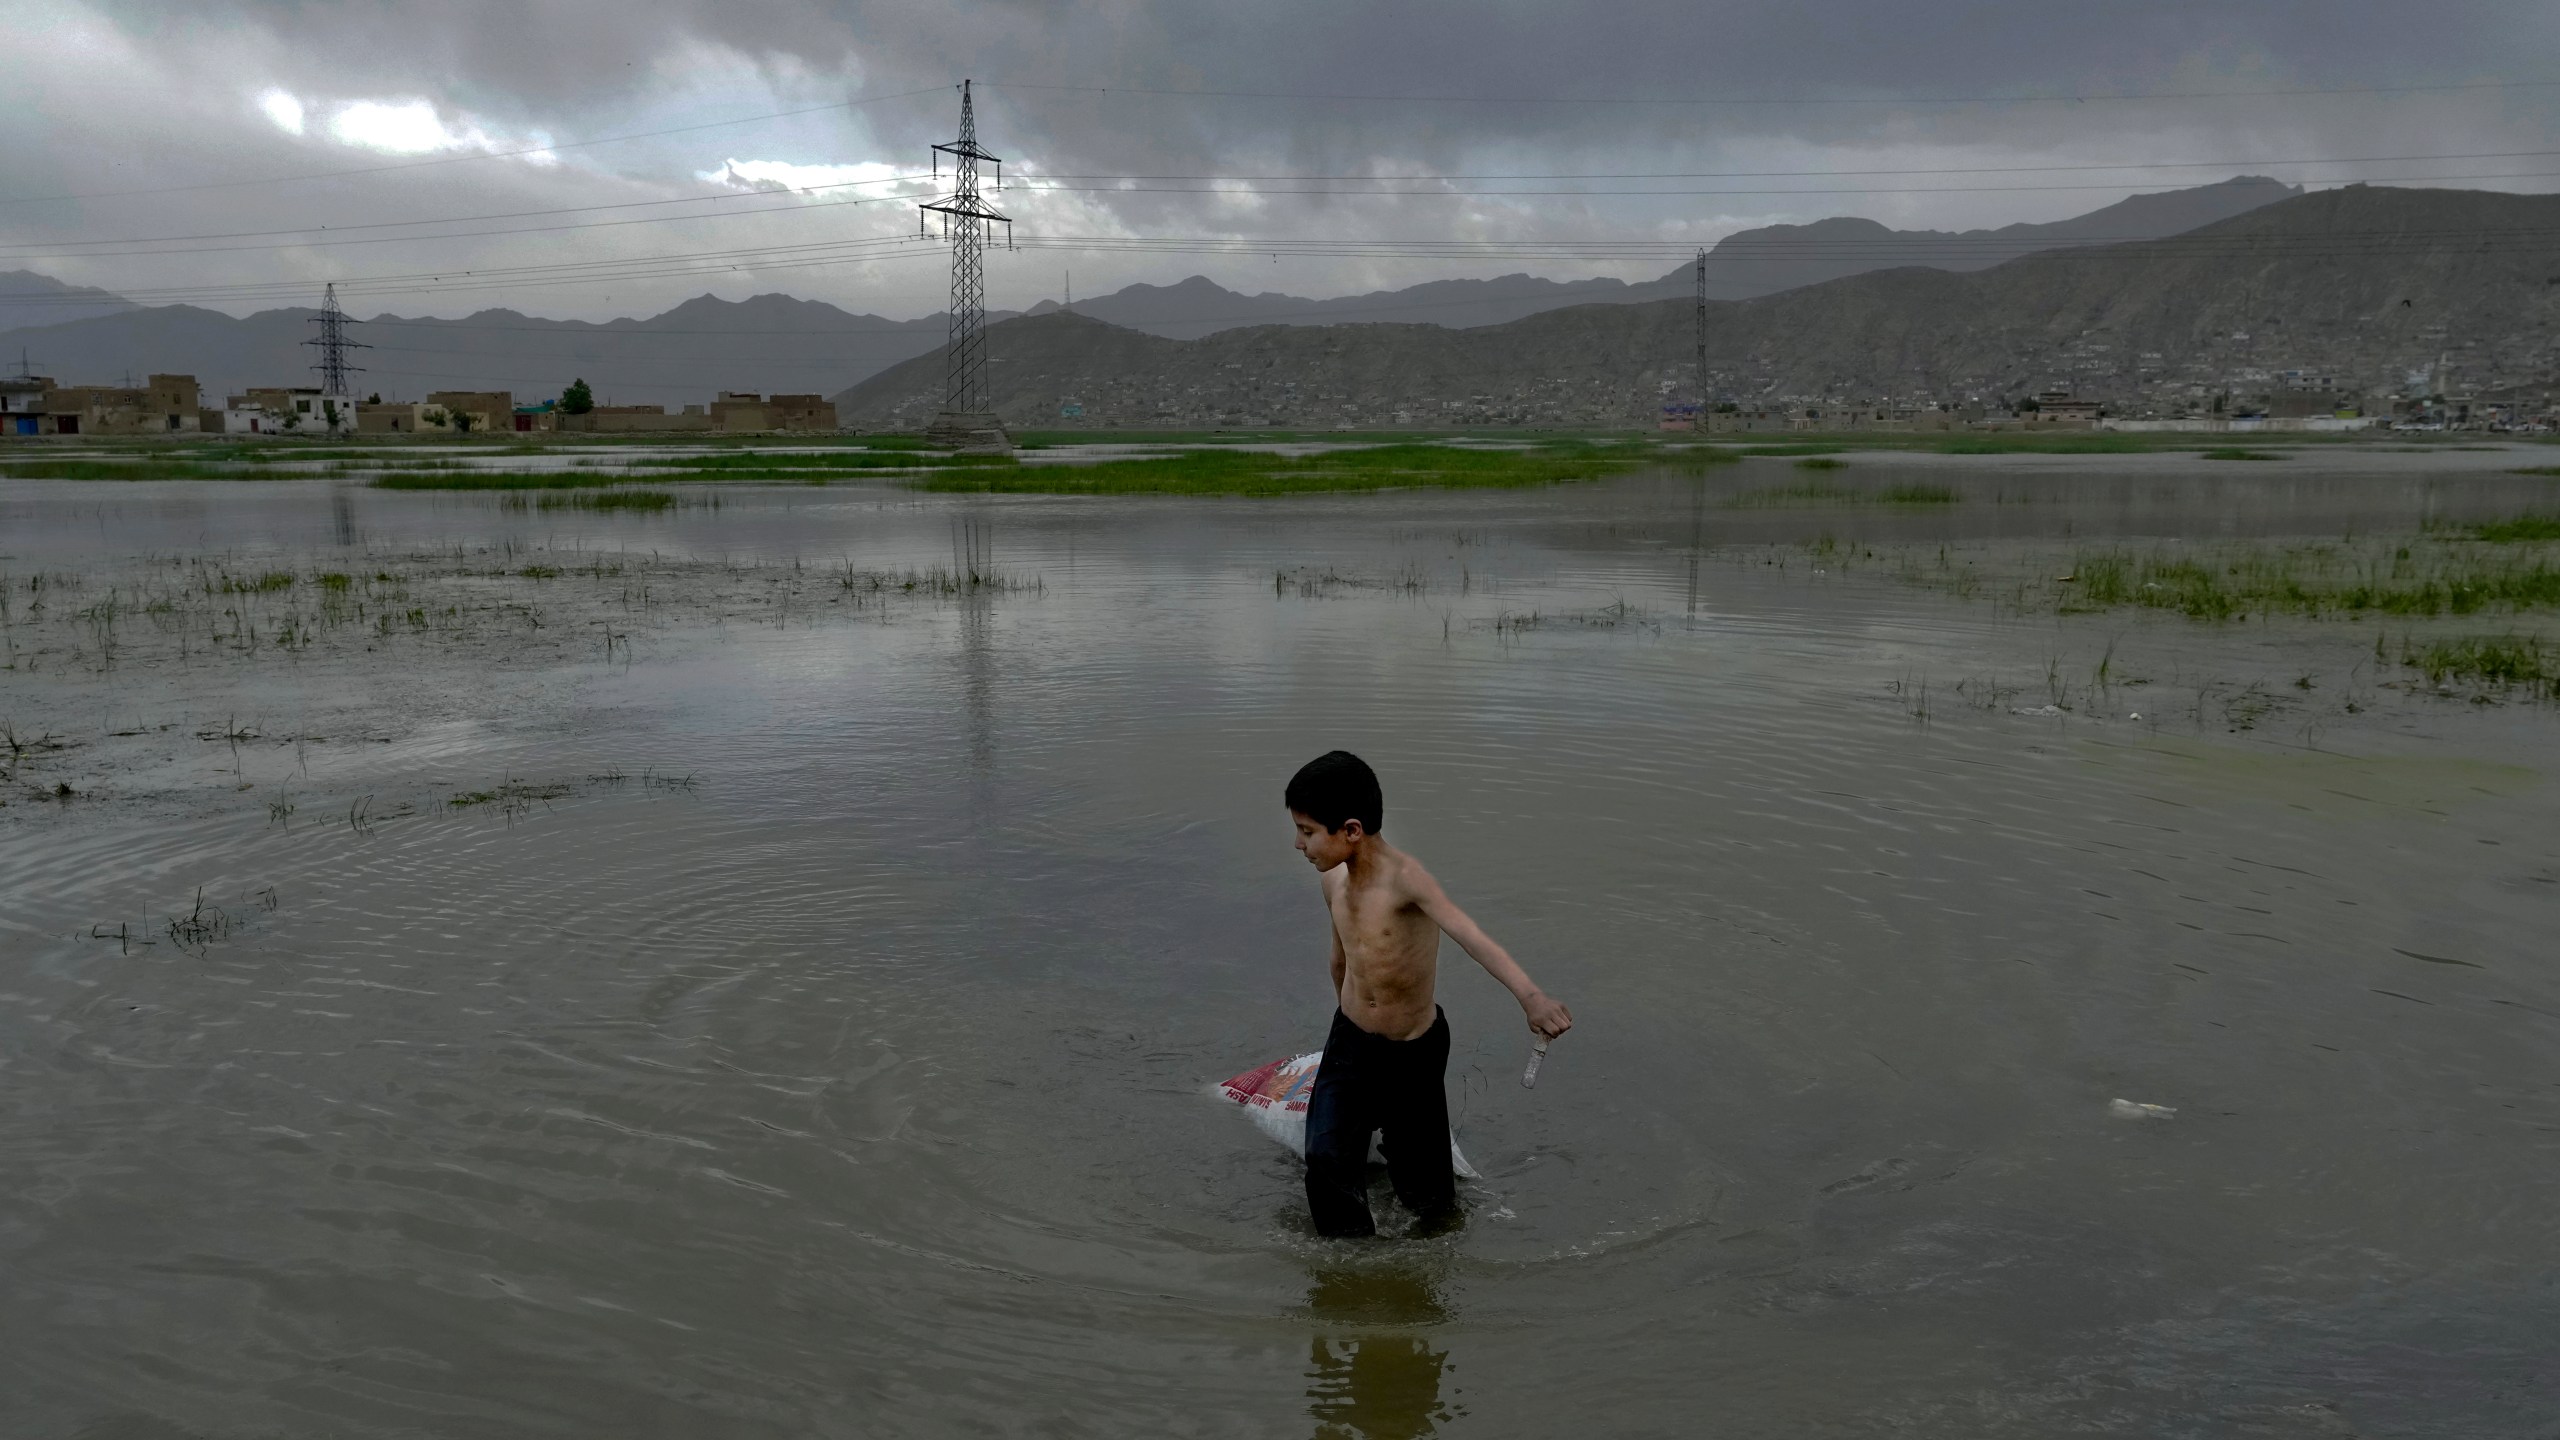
2362	290
1743	265
776	343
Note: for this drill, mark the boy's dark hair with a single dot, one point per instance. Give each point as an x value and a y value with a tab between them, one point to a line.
1336	788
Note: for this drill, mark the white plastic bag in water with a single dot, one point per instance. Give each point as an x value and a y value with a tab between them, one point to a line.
1275	1097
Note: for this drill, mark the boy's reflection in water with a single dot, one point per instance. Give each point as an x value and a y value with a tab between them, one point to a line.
1372	1373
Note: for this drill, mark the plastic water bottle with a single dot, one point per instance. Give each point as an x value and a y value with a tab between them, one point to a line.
1537	1054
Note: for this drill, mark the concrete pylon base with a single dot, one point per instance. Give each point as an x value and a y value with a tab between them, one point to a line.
976	432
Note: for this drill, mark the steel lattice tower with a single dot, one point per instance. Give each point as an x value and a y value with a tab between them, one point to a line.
1706	393
334	345
968	413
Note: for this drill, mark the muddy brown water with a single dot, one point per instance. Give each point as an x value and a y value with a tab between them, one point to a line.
841	1067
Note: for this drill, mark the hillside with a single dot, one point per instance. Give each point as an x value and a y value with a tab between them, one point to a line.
1745	264
765	344
2365	287
27	298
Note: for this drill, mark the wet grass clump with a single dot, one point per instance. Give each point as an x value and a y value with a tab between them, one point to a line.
1815	492
2233	452
1821	462
146	467
2312	581
1383	467
498	480
648	502
2505	662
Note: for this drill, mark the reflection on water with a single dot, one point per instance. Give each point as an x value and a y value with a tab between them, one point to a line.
1373	1371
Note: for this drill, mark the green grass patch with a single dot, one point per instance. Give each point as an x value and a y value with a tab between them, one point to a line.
2553	470
2086	442
498	480
1229	472
2523	529
146	468
1772	452
2504	661
2233	452
2311	580
1821	462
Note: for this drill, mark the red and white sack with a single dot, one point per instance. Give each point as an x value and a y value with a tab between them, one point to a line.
1275	1098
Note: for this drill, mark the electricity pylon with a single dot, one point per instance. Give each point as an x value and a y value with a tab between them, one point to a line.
333	366
1706	394
968	419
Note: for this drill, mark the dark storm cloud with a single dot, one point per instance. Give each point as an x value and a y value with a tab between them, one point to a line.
132	96
550	62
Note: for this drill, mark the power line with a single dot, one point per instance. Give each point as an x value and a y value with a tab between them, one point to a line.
475	219
37	250
1047	179
1618	100
40	250
1037	188
774	258
1891	170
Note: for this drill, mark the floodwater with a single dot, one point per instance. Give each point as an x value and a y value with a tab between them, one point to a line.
814	1037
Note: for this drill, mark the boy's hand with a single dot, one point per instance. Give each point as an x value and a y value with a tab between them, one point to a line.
1547	1015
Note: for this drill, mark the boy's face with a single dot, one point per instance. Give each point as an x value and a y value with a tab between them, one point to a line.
1324	848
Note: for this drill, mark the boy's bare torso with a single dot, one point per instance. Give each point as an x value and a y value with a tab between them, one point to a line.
1388	916
1386	951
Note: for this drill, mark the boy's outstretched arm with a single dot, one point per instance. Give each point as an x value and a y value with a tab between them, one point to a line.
1547	1015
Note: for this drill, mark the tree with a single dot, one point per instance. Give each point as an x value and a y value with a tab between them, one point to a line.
329	415
577	399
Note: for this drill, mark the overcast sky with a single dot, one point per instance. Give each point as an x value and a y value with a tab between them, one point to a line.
253	106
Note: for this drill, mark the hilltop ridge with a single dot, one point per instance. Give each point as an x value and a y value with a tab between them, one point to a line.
2364	290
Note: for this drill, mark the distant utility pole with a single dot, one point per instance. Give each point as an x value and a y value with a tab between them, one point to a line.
1706	397
968	419
334	345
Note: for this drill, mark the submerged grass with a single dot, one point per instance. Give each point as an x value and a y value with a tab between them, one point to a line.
2312	580
1815	492
2234	452
644	501
2083	443
811	467
1228	472
499	480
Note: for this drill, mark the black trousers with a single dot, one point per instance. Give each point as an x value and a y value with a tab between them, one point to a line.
1370	1084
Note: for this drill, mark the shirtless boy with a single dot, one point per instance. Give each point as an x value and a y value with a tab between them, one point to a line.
1389	1046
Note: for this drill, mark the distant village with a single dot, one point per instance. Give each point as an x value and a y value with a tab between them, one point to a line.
36	406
